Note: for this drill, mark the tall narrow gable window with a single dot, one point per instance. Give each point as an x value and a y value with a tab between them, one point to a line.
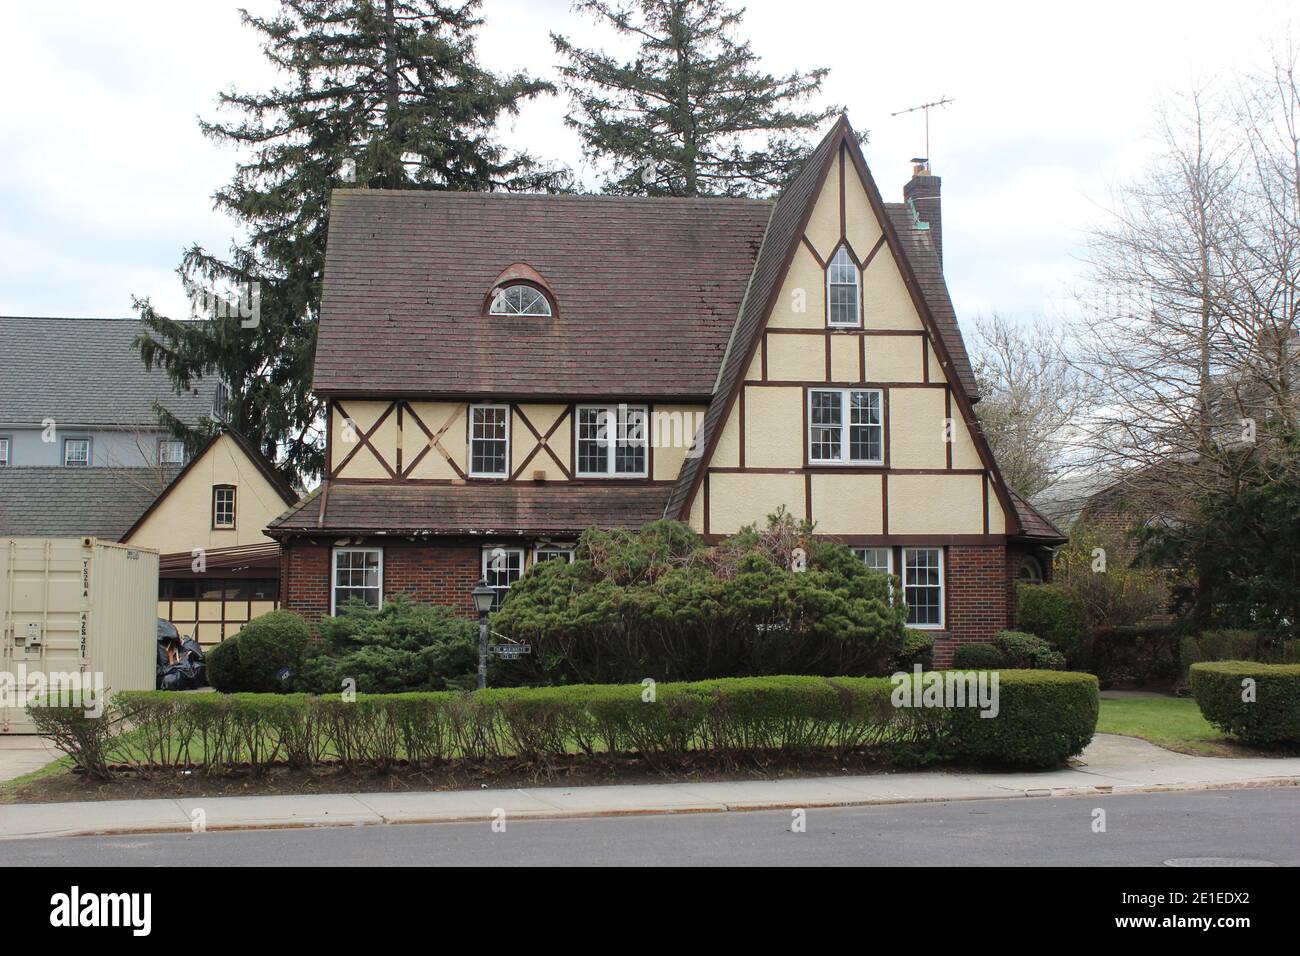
4	451
845	426
223	507
489	441
842	289
612	441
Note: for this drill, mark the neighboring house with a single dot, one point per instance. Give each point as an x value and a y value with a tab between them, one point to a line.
504	371
218	569
75	394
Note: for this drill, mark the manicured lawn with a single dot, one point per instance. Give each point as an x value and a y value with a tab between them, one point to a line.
1171	722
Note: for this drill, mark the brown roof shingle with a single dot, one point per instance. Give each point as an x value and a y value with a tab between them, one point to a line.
476	508
647	292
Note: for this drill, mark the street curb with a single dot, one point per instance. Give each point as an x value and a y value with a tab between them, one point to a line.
1262	783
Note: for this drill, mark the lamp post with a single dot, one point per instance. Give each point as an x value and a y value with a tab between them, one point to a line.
483	598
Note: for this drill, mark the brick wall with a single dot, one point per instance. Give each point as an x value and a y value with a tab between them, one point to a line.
978	584
430	574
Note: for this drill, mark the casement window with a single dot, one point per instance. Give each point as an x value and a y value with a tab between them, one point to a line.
842	290
171	451
489	441
877	559
4	451
520	299
357	573
612	441
923	586
552	553
502	567
223	507
76	452
845	426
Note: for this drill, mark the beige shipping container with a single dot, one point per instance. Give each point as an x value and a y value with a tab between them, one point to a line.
75	606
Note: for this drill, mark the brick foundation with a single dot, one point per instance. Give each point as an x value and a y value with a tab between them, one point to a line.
979	597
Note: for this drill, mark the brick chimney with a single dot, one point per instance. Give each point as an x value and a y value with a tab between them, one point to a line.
922	193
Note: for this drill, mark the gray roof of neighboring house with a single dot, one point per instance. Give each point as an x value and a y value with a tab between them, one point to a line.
85	372
75	502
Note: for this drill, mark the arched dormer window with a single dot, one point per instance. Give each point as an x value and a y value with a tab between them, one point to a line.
521	292
842	289
519	299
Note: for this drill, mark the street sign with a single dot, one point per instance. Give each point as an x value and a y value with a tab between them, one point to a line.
510	651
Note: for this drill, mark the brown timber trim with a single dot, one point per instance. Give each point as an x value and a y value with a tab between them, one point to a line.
363	439
742	426
795	383
793	470
884	502
925	360
886	451
399	437
820	261
985	501
843	330
843	160
899	540
829	373
862	358
434	441
807	495
706	502
762	358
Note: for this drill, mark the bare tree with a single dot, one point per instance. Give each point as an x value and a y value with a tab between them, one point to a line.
1030	399
1190	321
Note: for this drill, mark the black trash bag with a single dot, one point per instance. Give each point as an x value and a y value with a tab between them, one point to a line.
181	664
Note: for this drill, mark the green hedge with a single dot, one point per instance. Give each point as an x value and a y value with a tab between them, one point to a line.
1041	721
253	659
1271	717
1011	649
1044	718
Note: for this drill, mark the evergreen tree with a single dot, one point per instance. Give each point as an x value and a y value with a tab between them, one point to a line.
385	93
691	115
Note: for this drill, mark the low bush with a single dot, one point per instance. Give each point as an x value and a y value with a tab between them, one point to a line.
918	648
397	648
977	657
1142	654
1021	650
1043	718
731	719
1056	616
1258	703
263	657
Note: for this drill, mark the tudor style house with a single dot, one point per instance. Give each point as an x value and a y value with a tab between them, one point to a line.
504	371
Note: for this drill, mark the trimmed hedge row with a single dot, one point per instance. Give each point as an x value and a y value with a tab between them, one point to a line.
1043	718
1265	713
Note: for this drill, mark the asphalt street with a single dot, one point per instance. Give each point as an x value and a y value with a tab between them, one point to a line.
1136	830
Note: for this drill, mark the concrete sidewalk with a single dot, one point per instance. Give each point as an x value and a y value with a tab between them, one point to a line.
1111	764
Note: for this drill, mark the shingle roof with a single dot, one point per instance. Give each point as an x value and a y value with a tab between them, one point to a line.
74	502
1033	522
85	372
647	290
481	509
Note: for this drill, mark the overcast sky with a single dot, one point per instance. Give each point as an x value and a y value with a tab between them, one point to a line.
107	179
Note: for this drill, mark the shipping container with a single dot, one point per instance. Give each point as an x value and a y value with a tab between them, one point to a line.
74	609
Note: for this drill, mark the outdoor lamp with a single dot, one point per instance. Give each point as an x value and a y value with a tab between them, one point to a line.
483	596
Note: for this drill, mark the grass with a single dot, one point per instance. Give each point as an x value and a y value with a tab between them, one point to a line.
9	788
1174	723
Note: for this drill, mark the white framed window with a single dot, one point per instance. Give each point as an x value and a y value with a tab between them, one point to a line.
520	299
502	567
76	452
4	451
923	587
846	426
612	441
489	441
357	573
842	290
552	552
877	559
171	451
223	506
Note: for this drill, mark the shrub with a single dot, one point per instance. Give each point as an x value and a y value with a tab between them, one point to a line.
1271	717
397	648
253	659
1040	721
1123	594
1043	718
976	657
918	648
1027	651
87	740
1049	612
659	603
1143	654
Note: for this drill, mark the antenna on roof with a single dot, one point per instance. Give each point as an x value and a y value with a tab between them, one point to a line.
926	107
